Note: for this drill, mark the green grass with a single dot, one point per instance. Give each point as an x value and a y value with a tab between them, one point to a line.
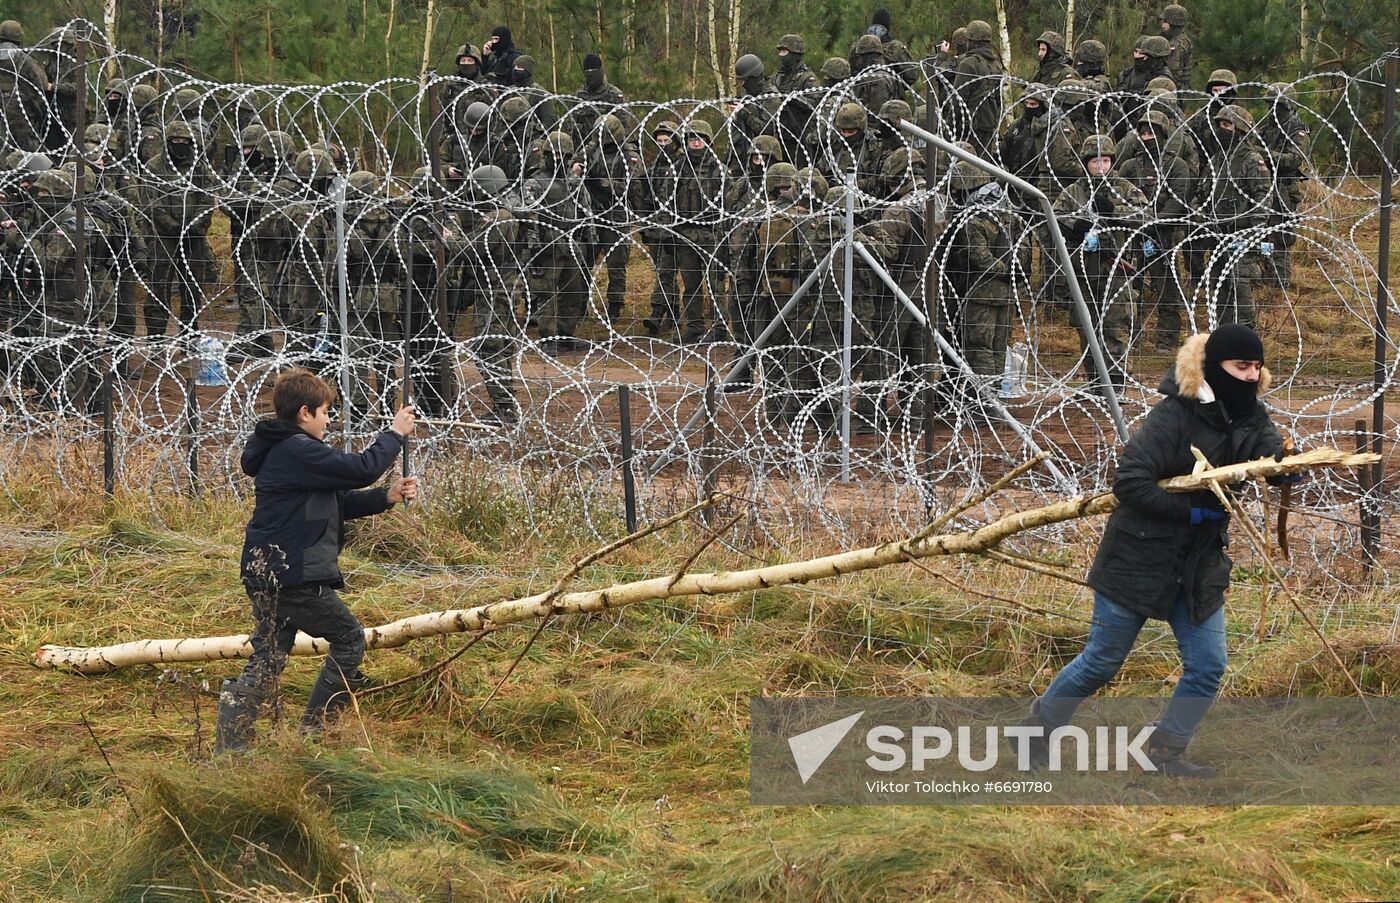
612	764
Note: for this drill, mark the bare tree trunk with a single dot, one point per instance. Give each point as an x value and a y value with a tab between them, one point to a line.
695	57
428	27
267	21
666	47
160	32
736	15
109	23
1304	45
235	45
629	33
553	57
1005	35
928	543
714	48
388	38
1069	25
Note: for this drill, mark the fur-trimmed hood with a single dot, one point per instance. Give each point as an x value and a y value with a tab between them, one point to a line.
1188	379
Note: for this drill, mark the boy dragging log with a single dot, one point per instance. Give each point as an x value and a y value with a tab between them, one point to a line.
305	490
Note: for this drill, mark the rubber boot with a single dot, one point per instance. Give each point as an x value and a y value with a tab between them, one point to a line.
330	694
238	710
1169	761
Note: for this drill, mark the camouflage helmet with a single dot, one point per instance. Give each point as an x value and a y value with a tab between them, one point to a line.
476	114
178	129
1161	83
70	172
699	128
1091	51
99	134
252	135
836	68
276	145
120	87
1156	47
1222	77
669	126
1038	93
899	162
748	66
56	183
187	99
514	109
1237	116
468	50
525	63
792	43
143	97
1174	15
960	39
1097	146
560	144
966	177
1284	91
489	181
868	44
892	111
836	197
12	31
811	179
979	31
769	147
611	129
334	151
851	116
421	177
921	114
1157	121
1053	40
363	182
314	163
779	177
12	160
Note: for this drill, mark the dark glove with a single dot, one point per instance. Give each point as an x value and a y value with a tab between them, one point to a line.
1286	479
1103	203
1206	516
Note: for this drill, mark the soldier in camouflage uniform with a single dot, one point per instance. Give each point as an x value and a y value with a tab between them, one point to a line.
117	113
797	80
893	51
556	233
1236	204
611	169
117	201
375	274
468	146
597	98
977	271
178	188
887	125
1054	64
1149	62
241	208
23	83
853	148
57	53
1042	147
1164	178
1100	213
1183	48
659	233
150	141
698	198
794	74
814	138
1211	151
522	130
874	84
493	233
310	254
48	269
765	266
755	113
904	256
746	203
978	84
1285	140
429	328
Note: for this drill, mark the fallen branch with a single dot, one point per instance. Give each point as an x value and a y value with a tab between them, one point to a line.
101	659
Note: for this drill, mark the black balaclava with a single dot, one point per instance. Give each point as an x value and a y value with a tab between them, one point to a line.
114	107
1086	68
505	43
880	24
469	70
789	63
593	72
1233	342
181	152
1035	111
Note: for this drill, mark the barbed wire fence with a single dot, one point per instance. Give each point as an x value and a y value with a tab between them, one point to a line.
527	298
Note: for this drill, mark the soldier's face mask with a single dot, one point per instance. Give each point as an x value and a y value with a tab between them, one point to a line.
782	52
49	204
848	134
467	66
114	105
1218	90
181	152
662	139
519	76
1148	137
1139	56
1100	166
593	78
1034	108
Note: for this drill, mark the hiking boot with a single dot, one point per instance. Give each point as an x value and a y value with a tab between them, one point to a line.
1169	761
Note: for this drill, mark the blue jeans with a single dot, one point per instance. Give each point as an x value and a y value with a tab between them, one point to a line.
1111	638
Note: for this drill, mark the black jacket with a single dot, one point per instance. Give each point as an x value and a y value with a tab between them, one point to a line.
302	500
1149	548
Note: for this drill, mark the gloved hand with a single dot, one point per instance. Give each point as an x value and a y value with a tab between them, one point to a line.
1149	248
1103	203
1206	516
1286	479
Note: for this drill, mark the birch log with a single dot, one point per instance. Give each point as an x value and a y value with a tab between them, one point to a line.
101	659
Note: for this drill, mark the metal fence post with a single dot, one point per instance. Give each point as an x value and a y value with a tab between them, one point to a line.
629	483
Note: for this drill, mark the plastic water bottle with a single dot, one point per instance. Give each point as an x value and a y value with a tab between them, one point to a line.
210	352
1013	374
1091	240
1266	248
323	336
